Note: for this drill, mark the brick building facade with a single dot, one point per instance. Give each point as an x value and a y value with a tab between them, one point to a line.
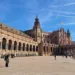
32	42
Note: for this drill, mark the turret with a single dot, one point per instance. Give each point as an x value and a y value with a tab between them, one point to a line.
36	23
69	37
68	33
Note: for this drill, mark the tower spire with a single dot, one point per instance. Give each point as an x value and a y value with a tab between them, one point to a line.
36	23
36	19
68	33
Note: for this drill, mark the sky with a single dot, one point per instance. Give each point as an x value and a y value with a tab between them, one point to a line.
21	14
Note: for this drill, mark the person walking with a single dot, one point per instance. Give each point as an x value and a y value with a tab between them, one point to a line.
55	56
6	60
66	54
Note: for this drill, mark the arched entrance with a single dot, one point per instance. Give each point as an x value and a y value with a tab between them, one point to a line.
36	48
30	47
10	45
47	49
15	45
4	43
19	47
44	49
33	48
51	49
23	47
27	47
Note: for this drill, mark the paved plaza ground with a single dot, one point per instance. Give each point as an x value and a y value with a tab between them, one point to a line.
38	65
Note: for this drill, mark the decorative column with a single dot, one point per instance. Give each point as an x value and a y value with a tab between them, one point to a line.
35	48
6	50
21	49
52	48
28	49
26	52
1	38
0	47
32	50
12	51
48	50
25	49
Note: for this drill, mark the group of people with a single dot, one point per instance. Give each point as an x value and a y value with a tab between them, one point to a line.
6	58
62	55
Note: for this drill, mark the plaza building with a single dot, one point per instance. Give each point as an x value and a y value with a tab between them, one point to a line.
34	41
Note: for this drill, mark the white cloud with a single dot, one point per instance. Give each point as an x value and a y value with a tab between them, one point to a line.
67	4
69	16
54	6
64	12
68	24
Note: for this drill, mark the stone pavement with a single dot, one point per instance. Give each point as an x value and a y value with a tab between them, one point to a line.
38	65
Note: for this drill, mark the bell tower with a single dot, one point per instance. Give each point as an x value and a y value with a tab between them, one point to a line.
37	30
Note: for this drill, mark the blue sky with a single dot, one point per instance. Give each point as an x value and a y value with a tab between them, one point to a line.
20	14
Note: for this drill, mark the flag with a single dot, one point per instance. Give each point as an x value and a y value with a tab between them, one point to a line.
62	23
